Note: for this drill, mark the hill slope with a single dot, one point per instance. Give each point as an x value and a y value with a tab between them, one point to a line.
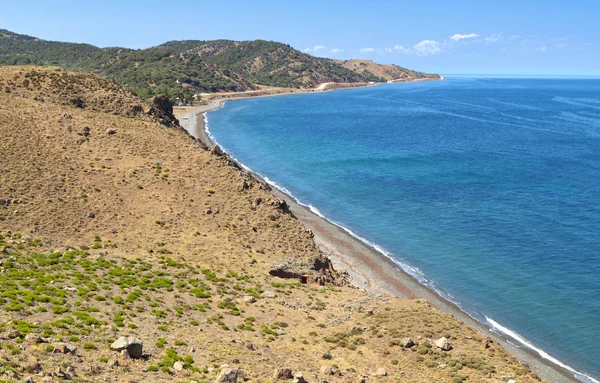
113	224
389	72
181	68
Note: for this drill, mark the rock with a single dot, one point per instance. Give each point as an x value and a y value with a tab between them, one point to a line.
163	110
208	211
299	377
249	299
406	342
111	131
216	151
178	366
33	366
61	374
327	355
28	379
34	339
281	205
192	349
78	102
132	345
92	215
62	348
112	363
485	343
326	370
443	344
13	334
229	375
283	374
250	346
381	372
512	381
125	354
269	294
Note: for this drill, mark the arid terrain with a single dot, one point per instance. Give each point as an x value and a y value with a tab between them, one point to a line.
115	222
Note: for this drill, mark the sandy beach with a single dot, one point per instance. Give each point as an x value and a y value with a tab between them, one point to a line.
370	269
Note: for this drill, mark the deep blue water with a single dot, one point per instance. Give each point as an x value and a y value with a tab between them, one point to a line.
490	187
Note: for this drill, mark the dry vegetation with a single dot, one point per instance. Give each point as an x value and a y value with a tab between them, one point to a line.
113	224
389	72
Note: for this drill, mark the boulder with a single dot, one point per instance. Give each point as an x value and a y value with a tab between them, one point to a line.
178	366
249	299
132	345
162	109
13	334
62	348
327	355
443	344
406	342
111	131
215	150
283	374
229	375
299	377
208	211
381	372
34	339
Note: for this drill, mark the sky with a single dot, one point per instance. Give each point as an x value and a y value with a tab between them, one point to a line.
449	37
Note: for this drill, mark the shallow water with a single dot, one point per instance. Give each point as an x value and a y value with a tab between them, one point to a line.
489	187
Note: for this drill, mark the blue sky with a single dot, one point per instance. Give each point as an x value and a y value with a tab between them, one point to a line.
492	37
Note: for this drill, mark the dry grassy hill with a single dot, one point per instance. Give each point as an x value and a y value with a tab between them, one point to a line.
115	222
389	72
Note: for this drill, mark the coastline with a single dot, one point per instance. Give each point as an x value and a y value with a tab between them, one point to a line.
370	268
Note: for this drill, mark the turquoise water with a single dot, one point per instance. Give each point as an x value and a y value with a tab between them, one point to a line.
488	188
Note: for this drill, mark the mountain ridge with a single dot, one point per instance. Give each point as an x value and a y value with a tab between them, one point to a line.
182	68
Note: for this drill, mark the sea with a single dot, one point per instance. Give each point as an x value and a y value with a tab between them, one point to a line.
485	189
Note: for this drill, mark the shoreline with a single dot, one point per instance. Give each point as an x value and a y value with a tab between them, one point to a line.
370	268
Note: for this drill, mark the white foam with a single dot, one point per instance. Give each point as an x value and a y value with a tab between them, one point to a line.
498	328
411	270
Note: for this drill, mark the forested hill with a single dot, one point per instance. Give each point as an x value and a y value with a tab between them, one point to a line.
182	68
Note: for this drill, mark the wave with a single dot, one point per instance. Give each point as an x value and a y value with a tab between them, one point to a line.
412	271
499	329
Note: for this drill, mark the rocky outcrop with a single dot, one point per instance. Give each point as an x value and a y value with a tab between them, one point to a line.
283	374
230	375
443	344
319	270
162	110
132	345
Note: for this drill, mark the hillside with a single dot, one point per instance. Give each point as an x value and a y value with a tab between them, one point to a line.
389	72
115	223
182	68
